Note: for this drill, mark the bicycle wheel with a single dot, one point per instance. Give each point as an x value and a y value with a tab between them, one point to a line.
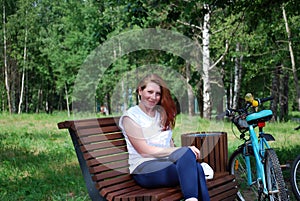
295	177
275	183
237	167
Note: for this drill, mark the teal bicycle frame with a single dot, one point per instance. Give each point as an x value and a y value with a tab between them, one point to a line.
258	146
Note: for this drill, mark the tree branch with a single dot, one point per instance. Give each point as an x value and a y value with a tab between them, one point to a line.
191	25
222	56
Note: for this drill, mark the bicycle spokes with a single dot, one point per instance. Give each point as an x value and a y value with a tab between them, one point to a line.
275	183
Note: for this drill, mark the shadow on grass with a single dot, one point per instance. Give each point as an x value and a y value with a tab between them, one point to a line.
53	174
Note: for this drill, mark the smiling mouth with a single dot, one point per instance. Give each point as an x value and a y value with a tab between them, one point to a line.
152	102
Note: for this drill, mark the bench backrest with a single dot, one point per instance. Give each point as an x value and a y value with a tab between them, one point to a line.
101	145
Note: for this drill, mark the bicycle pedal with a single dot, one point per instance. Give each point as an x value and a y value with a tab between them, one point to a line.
272	192
285	165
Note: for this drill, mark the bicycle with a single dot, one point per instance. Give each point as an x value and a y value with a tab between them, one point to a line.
254	163
295	175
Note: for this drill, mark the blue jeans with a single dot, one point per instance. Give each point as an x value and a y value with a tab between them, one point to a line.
180	168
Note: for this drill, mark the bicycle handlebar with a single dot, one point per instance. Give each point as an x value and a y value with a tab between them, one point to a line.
250	102
239	119
262	100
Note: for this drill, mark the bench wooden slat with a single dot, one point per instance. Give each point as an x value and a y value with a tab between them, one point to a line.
97	130
102	153
113	193
224	147
225	188
225	195
93	122
174	193
114	181
107	159
110	174
148	194
220	181
175	196
106	167
116	192
124	185
101	137
105	152
102	145
129	195
231	196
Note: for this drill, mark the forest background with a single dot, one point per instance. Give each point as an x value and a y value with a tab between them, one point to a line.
253	45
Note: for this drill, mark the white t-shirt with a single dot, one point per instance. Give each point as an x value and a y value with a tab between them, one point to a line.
152	132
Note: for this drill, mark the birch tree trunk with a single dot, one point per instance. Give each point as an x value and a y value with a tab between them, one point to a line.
5	62
230	91
237	77
207	106
294	70
67	99
284	97
125	96
275	91
191	97
39	100
23	71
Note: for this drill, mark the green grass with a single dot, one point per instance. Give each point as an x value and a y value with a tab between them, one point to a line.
38	161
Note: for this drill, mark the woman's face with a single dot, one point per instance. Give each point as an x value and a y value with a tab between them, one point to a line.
151	95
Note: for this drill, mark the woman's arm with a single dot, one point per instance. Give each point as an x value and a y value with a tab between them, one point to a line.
172	144
135	136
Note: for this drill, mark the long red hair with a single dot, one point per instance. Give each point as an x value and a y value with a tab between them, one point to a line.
166	105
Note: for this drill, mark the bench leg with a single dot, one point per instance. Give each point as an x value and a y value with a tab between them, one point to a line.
90	185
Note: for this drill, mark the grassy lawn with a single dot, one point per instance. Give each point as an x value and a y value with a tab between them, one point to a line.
38	161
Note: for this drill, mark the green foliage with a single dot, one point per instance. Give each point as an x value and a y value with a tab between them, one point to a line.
61	35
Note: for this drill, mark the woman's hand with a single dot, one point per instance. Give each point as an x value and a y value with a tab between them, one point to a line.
196	151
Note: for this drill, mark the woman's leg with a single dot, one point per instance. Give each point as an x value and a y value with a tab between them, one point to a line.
203	191
181	168
185	161
156	173
191	174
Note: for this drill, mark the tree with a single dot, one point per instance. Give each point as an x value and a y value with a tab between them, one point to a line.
24	60
237	77
5	58
45	43
207	103
294	70
67	39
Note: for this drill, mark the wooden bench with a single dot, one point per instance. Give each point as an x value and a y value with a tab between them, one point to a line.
102	155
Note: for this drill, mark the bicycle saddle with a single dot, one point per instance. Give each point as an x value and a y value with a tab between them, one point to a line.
262	116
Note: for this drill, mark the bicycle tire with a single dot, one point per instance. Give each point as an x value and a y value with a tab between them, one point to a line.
295	177
274	179
237	167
